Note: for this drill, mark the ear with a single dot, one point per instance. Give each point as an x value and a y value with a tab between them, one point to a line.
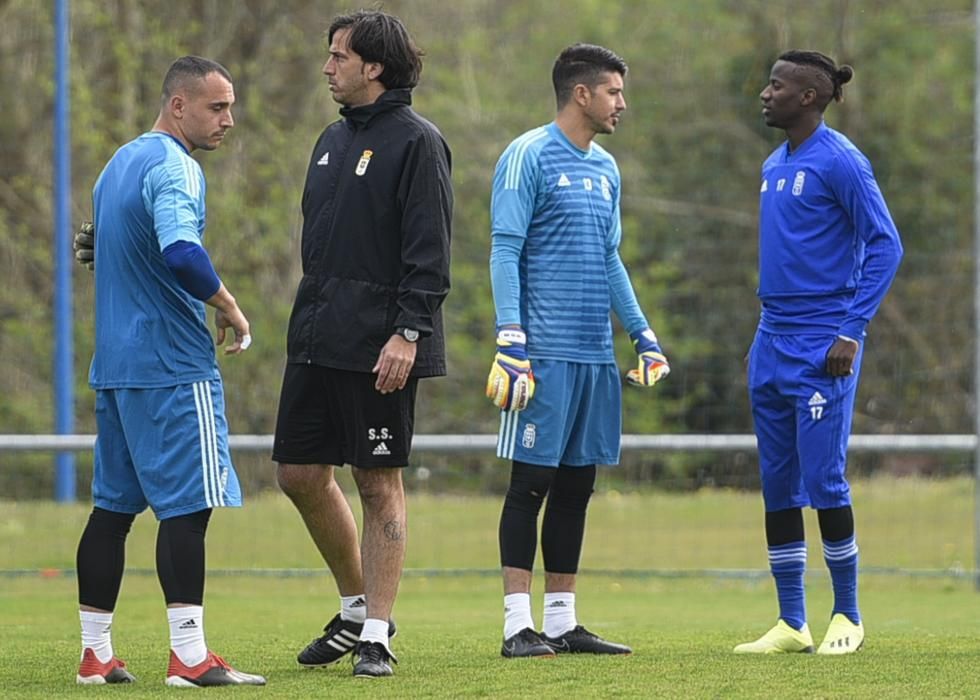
808	97
177	105
374	70
581	94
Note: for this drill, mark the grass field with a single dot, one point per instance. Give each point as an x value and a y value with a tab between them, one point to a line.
643	582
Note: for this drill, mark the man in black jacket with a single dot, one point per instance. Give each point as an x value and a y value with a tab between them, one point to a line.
365	326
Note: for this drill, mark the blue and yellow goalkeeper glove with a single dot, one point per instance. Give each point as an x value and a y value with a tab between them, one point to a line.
652	365
510	384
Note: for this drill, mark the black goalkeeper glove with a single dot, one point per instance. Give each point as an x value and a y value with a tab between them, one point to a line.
84	245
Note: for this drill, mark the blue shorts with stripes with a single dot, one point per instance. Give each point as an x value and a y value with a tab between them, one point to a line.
163	448
802	418
575	417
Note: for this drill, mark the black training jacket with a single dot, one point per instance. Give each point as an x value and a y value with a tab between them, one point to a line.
377	210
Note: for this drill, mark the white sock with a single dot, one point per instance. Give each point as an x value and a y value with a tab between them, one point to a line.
187	634
97	634
559	614
375	631
353	608
517	613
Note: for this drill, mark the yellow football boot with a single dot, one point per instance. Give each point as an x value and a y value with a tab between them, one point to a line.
843	636
781	639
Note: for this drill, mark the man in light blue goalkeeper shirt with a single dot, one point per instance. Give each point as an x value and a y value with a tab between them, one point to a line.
556	274
162	436
828	252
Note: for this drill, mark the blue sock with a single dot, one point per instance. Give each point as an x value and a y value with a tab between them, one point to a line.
788	565
842	560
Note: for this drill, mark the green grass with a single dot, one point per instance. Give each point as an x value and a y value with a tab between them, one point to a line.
906	523
923	632
922	640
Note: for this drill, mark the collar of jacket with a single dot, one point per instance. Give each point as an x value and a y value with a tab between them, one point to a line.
389	100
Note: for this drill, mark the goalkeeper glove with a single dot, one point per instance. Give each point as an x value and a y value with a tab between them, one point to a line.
84	245
510	385
652	365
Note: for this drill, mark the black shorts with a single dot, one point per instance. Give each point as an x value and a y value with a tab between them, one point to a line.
333	416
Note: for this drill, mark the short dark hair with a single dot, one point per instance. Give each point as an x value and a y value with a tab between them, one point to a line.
188	68
837	75
583	64
378	37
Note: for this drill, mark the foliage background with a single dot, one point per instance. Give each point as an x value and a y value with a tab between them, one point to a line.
690	148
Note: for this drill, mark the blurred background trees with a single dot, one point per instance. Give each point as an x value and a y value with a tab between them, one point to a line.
689	148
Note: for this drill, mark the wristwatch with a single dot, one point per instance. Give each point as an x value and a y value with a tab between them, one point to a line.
409	334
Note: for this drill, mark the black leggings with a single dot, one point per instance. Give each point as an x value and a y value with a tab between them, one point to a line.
568	490
101	558
784	526
180	557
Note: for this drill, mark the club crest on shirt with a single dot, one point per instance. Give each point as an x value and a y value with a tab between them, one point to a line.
362	164
587	182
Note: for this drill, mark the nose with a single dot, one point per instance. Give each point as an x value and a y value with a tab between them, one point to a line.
328	67
621	104
229	120
765	94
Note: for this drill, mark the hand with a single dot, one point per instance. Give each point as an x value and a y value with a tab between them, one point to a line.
232	318
652	365
510	385
394	364
840	357
84	245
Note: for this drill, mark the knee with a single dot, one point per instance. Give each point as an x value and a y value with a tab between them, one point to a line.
299	480
529	484
573	488
109	523
378	486
192	524
288	478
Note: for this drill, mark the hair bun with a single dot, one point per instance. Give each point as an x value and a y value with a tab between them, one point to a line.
844	74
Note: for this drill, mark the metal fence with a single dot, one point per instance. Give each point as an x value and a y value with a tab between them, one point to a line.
480	443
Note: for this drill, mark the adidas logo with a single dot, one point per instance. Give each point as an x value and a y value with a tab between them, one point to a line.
359	603
344	641
324	159
187	625
381	449
558	604
563	181
817	399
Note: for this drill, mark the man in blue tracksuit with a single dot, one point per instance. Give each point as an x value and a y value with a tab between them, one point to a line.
828	252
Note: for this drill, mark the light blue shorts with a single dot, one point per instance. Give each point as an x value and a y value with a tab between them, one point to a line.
575	417
802	418
166	448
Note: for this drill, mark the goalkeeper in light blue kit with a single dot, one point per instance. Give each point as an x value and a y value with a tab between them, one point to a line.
556	274
828	252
